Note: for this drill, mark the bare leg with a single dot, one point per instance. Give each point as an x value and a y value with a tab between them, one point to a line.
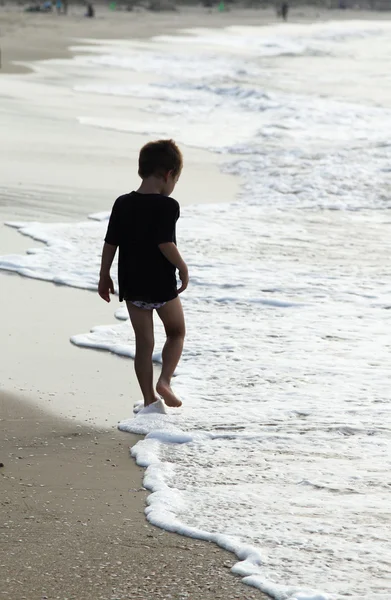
142	322
173	320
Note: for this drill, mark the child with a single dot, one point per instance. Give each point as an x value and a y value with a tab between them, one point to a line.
142	225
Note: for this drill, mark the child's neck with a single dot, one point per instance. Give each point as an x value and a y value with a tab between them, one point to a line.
152	185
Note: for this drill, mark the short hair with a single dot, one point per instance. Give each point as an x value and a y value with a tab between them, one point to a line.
160	157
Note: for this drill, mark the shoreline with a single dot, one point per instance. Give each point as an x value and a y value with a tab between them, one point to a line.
74	525
50	36
71	488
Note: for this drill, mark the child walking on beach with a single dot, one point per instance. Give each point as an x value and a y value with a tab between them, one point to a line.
142	224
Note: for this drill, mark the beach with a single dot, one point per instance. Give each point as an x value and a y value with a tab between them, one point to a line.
73	525
70	487
47	36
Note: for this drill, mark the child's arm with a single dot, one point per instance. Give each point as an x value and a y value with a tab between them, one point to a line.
172	254
106	285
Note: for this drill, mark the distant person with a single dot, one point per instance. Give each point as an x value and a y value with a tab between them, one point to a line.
284	10
90	10
58	6
142	225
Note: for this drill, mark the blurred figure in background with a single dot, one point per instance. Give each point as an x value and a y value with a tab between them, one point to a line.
90	10
284	10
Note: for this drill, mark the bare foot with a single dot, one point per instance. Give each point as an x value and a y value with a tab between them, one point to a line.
164	390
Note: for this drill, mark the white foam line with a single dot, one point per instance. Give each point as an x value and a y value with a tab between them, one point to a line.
87	340
160	512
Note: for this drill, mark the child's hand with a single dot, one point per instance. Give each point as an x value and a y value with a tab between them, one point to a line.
105	287
184	277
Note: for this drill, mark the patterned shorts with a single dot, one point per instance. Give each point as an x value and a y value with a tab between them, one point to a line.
147	305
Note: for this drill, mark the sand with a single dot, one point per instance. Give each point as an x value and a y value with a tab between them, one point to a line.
73	526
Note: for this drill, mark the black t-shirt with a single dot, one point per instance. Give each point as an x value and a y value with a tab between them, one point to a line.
138	224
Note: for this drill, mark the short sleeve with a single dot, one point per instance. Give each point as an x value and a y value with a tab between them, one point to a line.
165	231
113	228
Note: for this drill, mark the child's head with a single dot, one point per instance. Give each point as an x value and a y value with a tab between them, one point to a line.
161	159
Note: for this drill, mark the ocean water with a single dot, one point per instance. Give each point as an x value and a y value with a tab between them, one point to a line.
281	452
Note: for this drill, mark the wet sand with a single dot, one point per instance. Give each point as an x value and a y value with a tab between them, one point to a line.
72	520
